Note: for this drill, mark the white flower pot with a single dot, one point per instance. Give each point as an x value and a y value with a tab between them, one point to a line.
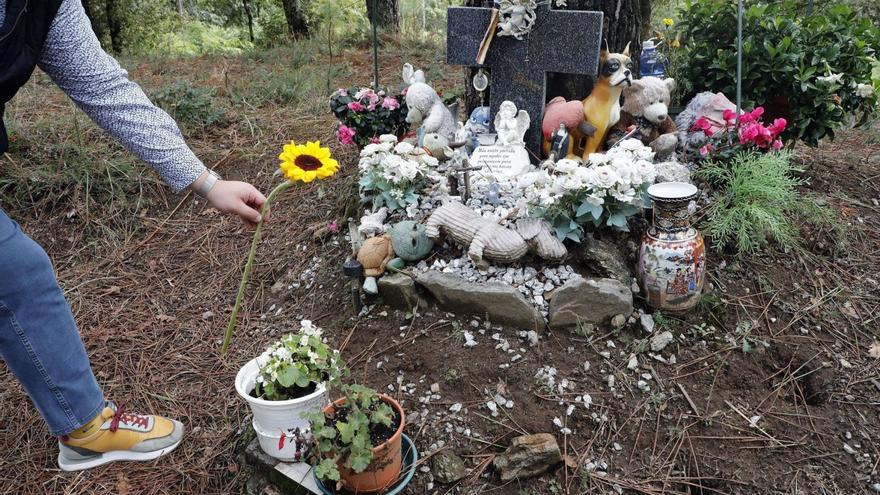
274	418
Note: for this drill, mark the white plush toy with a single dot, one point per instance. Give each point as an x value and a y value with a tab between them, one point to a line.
426	108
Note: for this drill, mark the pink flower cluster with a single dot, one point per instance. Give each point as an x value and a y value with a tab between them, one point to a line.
752	131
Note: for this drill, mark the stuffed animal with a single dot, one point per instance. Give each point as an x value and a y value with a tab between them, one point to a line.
426	109
563	113
438	147
646	109
602	107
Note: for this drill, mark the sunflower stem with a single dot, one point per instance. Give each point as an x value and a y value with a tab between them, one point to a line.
250	263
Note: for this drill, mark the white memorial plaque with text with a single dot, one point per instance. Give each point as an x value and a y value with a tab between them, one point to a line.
502	161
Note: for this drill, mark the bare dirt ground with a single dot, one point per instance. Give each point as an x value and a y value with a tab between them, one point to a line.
772	377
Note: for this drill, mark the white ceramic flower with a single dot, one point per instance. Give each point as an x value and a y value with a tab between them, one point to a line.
599	159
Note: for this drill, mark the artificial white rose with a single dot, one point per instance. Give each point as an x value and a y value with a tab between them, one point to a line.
403	148
599	159
631	145
566	166
606	177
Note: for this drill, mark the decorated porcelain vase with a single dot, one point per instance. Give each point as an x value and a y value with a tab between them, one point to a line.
672	258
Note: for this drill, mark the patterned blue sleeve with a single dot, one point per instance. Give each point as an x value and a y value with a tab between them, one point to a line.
74	59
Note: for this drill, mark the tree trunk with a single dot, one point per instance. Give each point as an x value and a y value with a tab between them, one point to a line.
387	14
114	22
97	28
294	11
626	21
250	18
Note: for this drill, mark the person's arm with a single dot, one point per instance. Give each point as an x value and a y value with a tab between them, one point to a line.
74	59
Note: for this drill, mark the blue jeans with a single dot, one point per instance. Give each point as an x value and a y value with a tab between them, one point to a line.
38	337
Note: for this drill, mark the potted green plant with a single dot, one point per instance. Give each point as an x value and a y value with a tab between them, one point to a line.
288	380
358	440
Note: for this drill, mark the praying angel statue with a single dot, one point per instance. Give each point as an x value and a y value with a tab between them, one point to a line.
511	125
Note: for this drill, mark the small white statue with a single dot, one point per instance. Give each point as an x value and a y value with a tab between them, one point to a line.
373	224
511	125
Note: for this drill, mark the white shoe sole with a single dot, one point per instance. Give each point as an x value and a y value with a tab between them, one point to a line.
118	455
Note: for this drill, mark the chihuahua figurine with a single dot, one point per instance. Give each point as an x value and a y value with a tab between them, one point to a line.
602	107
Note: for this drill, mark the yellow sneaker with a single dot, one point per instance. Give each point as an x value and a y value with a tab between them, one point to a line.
119	436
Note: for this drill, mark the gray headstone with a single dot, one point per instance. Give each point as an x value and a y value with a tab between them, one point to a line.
562	41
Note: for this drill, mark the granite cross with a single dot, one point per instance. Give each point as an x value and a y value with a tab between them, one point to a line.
562	41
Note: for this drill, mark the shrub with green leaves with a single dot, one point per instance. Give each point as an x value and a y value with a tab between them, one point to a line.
757	200
189	105
346	436
812	69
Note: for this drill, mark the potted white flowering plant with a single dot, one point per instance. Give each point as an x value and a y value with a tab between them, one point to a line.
605	192
290	379
394	174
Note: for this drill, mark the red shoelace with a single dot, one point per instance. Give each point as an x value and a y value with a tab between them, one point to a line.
126	418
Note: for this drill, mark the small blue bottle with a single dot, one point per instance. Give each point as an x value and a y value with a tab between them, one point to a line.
651	61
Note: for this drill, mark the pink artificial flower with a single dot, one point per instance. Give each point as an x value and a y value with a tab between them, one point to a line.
390	103
345	135
703	124
342	92
758	112
729	115
748	133
705	150
778	127
356	107
364	92
333	227
763	138
777	145
375	140
371	107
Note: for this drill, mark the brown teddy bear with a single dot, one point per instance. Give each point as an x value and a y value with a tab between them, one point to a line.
646	110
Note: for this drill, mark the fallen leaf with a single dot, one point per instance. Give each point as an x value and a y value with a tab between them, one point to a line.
874	351
165	318
570	461
123	487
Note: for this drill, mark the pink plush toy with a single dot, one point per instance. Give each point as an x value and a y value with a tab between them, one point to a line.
559	111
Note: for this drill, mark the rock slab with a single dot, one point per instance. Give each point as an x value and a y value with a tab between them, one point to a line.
604	259
448	467
502	303
399	291
589	301
527	456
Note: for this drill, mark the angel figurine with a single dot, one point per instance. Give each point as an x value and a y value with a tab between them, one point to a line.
511	125
517	18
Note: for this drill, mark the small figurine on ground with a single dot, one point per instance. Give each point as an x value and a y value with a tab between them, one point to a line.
374	255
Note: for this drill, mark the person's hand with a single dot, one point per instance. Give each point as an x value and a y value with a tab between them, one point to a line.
239	198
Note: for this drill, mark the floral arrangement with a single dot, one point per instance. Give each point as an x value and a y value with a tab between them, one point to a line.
345	436
365	114
606	192
296	362
394	174
750	134
299	163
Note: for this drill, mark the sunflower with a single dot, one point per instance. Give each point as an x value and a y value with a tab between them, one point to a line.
306	162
